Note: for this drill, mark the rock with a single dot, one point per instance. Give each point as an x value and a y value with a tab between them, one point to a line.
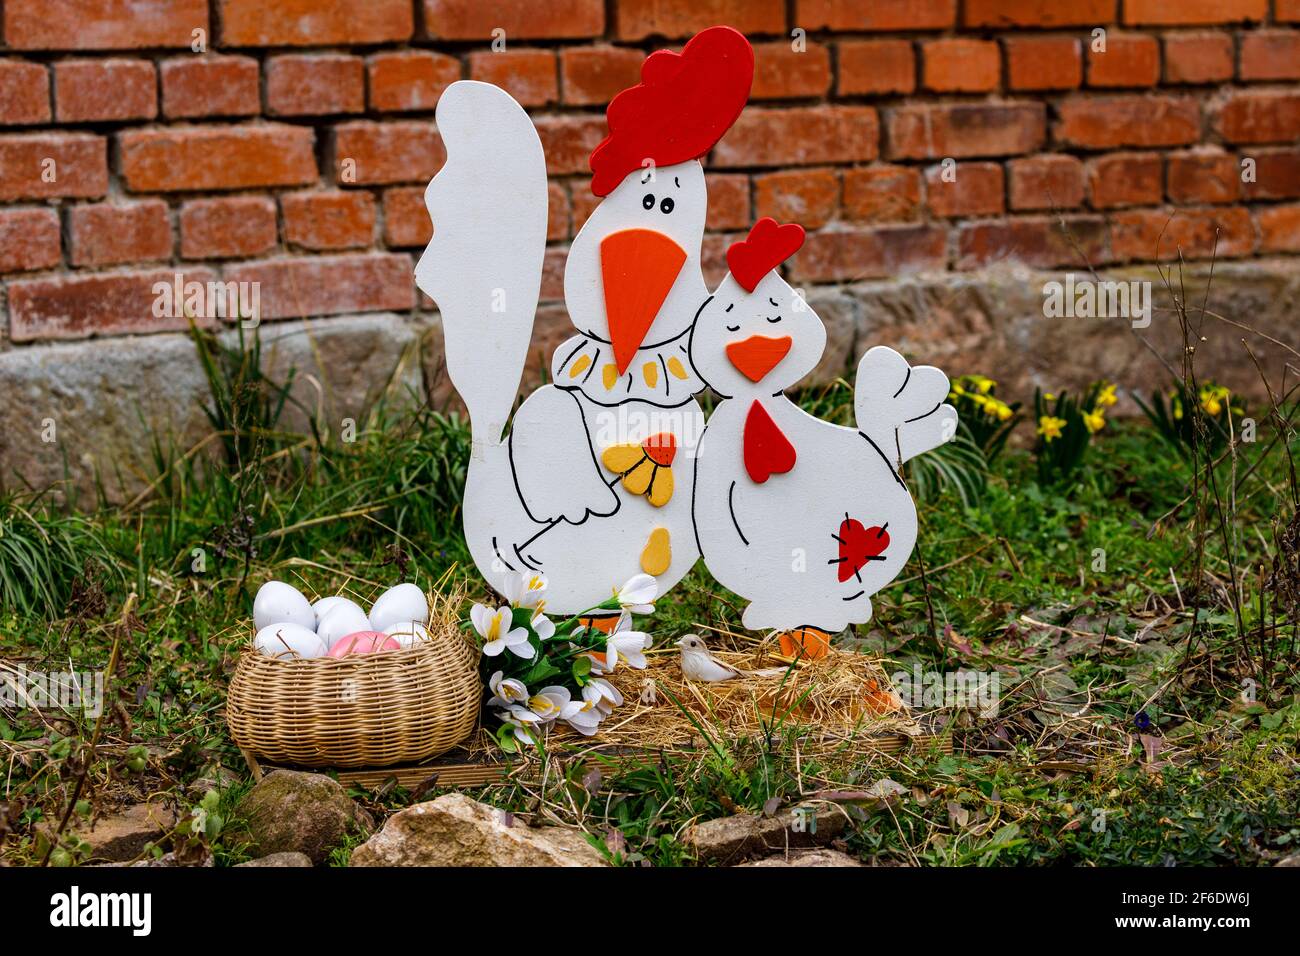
729	839
216	778
122	836
104	396
1291	860
279	859
821	857
993	322
308	813
170	859
839	313
454	830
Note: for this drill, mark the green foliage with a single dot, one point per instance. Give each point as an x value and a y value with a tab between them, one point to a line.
44	554
981	415
1065	430
1002	544
246	405
956	467
1189	421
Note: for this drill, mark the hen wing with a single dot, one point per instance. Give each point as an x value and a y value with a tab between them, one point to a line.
901	407
555	468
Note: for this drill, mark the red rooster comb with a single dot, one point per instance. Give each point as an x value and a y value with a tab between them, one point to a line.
766	247
680	109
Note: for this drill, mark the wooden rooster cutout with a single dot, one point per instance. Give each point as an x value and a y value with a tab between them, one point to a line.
592	482
803	518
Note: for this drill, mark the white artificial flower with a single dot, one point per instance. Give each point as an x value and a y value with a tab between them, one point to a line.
543	626
494	627
525	590
523	722
548	703
603	694
582	716
506	691
628	645
638	594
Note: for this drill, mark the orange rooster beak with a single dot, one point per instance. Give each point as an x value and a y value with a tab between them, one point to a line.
638	268
758	355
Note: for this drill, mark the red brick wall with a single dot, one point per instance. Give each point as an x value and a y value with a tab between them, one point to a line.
126	157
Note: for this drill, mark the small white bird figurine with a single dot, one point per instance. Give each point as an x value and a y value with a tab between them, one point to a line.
699	664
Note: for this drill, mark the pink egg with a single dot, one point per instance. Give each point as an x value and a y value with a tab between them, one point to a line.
363	642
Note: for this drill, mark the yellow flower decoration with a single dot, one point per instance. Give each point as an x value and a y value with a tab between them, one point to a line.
1213	398
1094	421
1050	427
645	468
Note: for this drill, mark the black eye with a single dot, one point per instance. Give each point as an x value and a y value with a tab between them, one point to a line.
648	201
666	206
733	328
777	319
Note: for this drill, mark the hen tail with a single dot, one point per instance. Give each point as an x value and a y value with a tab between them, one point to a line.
901	407
483	266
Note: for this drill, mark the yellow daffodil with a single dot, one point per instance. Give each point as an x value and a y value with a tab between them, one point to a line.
1094	421
1106	397
1050	427
1213	398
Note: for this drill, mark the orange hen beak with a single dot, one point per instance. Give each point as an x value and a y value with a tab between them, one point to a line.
757	355
638	268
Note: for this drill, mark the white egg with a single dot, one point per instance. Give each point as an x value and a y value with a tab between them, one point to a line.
340	621
408	633
288	641
327	604
399	605
280	603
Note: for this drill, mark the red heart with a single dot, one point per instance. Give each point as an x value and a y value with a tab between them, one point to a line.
661	448
767	451
858	545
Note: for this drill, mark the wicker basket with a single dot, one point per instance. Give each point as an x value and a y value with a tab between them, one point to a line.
364	710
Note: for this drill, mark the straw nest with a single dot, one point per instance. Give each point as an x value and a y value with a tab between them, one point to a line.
841	703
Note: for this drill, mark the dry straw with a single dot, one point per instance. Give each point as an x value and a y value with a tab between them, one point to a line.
840	706
364	710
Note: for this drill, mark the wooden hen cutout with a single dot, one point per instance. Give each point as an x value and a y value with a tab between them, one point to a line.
593	481
803	518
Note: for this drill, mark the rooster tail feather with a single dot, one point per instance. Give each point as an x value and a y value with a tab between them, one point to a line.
483	266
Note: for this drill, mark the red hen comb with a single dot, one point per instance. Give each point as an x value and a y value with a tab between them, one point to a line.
766	247
680	109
